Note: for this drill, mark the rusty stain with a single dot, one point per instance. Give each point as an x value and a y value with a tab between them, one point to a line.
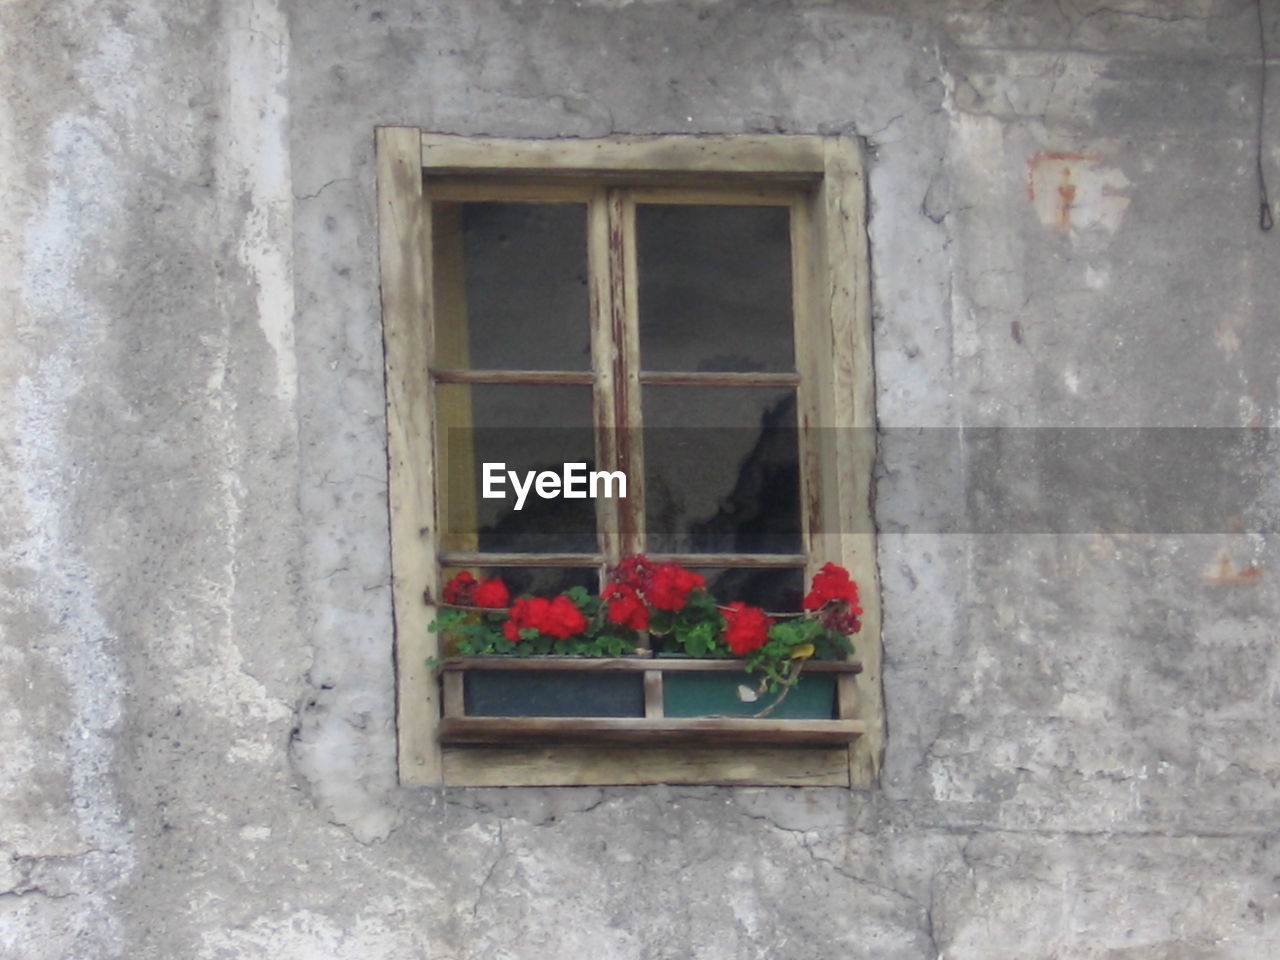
1223	573
1053	156
1066	199
1015	331
1073	192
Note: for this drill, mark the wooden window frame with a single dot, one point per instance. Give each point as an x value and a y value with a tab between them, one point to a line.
830	258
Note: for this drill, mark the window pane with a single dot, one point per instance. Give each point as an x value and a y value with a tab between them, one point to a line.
715	288
777	589
722	470
516	428
511	286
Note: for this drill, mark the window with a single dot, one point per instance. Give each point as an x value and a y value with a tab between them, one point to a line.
543	298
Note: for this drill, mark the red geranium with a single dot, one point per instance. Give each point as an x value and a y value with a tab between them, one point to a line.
625	606
746	627
664	586
832	583
670	585
526	612
634	571
458	590
559	618
564	619
491	593
464	590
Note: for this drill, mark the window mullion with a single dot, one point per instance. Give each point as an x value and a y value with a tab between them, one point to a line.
604	363
811	357
625	331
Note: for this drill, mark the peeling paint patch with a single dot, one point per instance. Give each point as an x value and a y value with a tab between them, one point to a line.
1223	572
1076	192
258	164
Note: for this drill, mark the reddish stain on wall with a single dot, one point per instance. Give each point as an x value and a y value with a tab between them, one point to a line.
1224	573
1066	199
1053	178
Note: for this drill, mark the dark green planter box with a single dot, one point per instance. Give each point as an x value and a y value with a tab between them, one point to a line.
536	702
522	693
722	694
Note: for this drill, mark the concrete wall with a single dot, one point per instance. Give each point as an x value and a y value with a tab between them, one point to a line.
197	706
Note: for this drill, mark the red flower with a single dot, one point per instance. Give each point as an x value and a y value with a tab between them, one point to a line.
558	618
564	619
491	593
841	619
526	612
670	585
746	628
625	606
664	586
634	571
832	583
458	591
511	629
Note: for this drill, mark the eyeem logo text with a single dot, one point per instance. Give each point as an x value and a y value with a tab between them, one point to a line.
574	482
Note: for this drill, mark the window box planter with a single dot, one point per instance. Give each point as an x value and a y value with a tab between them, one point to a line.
639	700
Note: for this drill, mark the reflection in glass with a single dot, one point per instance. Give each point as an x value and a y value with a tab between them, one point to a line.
508	424
511	286
722	470
715	288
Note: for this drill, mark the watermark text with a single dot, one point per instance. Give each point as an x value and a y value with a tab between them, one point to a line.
573	482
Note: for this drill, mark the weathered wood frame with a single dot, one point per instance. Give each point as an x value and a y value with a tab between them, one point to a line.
833	351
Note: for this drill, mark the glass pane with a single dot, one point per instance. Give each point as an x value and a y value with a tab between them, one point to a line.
722	470
537	581
715	288
511	286
777	589
488	432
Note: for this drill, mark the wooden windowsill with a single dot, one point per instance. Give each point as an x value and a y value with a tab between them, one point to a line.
640	730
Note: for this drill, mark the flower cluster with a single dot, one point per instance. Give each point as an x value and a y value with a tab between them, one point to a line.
664	601
664	586
558	617
746	628
464	590
831	584
835	594
625	606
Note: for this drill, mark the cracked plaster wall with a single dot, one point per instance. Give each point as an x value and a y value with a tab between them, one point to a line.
196	716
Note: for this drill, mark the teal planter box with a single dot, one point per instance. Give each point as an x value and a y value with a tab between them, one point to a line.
729	694
511	693
637	701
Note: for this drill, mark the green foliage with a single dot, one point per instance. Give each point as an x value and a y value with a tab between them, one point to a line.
787	643
696	630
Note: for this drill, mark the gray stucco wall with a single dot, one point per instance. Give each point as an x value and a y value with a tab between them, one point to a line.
197	710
